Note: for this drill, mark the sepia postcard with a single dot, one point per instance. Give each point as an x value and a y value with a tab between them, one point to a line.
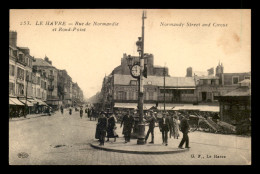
130	87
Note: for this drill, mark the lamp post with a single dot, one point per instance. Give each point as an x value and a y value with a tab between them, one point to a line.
136	70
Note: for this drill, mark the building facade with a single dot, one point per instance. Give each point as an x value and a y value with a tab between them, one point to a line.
120	88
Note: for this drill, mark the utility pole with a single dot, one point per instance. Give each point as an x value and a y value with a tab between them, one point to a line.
141	126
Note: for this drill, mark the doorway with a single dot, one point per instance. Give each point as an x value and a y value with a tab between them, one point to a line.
204	96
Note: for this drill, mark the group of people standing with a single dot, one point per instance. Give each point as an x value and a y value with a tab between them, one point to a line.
106	126
172	124
168	125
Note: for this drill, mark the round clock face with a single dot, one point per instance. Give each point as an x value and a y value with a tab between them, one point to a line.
135	71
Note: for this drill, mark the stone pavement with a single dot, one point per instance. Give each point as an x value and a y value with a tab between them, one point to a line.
65	140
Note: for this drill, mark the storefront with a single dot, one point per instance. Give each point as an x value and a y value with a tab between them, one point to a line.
16	108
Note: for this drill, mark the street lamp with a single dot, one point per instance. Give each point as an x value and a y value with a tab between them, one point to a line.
136	70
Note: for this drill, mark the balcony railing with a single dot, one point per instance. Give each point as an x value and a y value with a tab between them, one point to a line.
21	62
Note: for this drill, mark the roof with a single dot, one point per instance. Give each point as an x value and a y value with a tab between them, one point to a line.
156	80
41	62
207	77
241	91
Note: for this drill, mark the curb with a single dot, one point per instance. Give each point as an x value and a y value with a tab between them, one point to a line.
137	152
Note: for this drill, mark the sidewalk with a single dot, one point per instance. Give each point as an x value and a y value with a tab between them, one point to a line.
29	116
134	148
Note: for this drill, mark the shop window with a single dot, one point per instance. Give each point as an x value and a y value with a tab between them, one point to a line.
235	80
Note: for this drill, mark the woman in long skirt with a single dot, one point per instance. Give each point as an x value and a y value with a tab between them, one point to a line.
175	131
111	133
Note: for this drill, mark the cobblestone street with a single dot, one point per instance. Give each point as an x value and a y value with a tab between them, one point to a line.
64	140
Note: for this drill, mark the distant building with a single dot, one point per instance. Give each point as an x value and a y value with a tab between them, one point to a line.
209	87
65	88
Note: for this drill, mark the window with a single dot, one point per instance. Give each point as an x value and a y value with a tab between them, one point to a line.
205	82
38	80
11	70
11	88
235	80
133	82
131	95
20	73
121	95
38	92
51	72
150	94
20	89
247	77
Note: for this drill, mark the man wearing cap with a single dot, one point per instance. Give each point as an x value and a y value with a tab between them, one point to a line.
184	128
164	126
151	122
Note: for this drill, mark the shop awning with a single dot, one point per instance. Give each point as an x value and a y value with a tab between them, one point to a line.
146	106
32	101
28	102
126	105
16	101
176	88
198	107
11	102
40	102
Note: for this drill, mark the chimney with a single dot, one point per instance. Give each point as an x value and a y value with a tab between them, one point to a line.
13	38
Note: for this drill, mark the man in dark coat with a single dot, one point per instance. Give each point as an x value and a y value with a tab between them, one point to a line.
164	126
128	121
184	128
101	129
151	122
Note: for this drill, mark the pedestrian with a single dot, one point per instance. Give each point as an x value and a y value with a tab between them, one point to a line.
70	110
175	127
151	122
111	129
128	122
164	126
184	128
61	109
81	112
50	110
101	129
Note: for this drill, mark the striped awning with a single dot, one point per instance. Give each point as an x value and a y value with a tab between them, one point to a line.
15	101
40	102
24	102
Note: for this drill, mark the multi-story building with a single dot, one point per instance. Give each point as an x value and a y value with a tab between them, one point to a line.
21	75
121	89
77	94
65	88
44	66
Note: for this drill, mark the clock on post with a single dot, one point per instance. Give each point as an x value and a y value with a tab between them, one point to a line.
135	71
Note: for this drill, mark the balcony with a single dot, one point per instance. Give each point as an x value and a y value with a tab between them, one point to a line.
51	87
51	77
21	62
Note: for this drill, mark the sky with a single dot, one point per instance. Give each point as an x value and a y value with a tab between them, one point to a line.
178	38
